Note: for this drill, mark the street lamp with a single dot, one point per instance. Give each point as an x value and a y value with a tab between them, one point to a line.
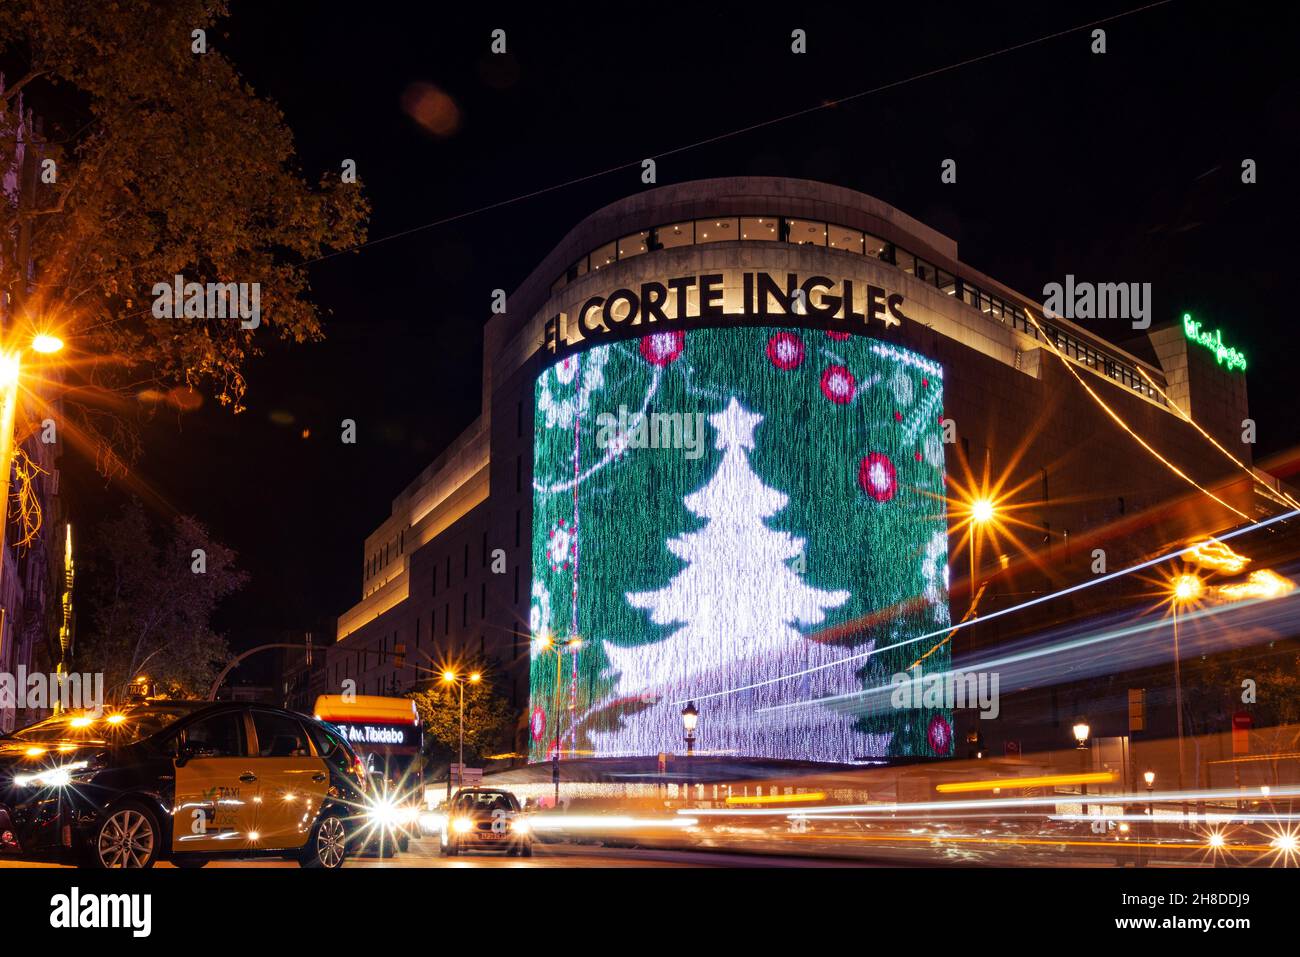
1081	733
558	648
451	677
690	717
10	372
982	511
1185	588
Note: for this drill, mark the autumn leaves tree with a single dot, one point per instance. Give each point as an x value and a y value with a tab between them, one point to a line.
165	161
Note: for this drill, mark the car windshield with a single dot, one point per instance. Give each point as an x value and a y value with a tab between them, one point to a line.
486	802
117	727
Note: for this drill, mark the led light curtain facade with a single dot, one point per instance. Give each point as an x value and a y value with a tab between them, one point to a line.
733	516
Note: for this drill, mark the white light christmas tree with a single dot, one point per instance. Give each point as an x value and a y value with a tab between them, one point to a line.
737	601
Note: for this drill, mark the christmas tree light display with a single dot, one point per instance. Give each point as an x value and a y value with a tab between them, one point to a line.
756	576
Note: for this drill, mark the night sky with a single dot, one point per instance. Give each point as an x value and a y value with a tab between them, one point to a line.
1116	167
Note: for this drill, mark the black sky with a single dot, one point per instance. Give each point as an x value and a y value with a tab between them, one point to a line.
1116	167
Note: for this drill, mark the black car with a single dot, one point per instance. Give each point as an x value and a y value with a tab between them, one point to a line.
485	819
181	781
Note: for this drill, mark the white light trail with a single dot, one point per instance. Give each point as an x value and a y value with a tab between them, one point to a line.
1141	566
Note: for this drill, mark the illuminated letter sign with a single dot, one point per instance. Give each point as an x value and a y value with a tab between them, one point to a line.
1225	355
686	300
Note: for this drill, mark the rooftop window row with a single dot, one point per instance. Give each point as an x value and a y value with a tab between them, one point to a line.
858	243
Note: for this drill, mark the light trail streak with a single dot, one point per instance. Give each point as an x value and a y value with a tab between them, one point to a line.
1042	780
613	822
1276	494
1012	670
1111	576
777	798
1124	425
868	811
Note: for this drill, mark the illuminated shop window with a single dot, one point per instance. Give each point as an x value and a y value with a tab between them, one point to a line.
905	261
604	256
946	282
879	249
838	237
634	245
675	234
759	227
804	232
717	230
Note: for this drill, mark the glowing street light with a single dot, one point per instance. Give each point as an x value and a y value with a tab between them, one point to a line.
451	677
46	344
1185	588
547	642
982	511
1081	734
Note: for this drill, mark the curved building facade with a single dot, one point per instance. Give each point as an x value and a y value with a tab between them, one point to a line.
724	426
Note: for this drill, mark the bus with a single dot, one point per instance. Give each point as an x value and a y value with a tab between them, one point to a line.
385	732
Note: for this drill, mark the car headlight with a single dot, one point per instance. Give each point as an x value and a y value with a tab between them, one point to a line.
462	825
520	826
58	777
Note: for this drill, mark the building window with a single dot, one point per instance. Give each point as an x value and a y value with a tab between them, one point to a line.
877	248
759	227
634	245
850	240
448	582
604	256
485	549
806	232
517	526
466	560
446	618
516	584
519	473
717	230
675	234
482	599
464	609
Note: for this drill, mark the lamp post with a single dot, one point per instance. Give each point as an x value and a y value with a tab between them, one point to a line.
690	717
451	677
10	373
1185	588
982	511
1081	734
558	648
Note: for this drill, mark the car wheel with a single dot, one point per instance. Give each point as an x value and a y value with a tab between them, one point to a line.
403	843
128	838
328	844
189	862
527	849
452	849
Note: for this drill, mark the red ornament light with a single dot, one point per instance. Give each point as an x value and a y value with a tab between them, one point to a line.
785	350
838	384
877	476
663	347
940	735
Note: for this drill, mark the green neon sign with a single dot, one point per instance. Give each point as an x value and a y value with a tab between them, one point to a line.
1224	355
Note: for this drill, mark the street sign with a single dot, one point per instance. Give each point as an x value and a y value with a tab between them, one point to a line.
466	777
1242	722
